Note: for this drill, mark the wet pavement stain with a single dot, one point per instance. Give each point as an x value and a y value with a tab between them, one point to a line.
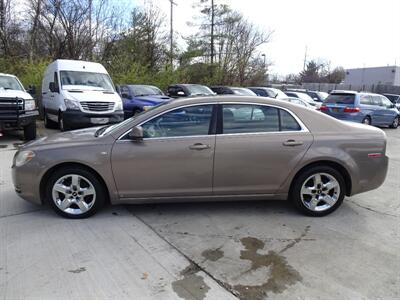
191	285
213	254
79	270
281	273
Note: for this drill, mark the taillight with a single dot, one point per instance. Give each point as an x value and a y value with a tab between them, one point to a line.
323	108
351	109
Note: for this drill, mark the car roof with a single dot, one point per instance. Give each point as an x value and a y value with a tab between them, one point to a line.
391	94
9	75
353	92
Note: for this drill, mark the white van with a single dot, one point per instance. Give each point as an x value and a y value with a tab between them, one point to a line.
78	94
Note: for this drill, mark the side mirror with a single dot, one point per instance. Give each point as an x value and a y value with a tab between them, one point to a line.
126	95
136	134
31	90
180	93
53	88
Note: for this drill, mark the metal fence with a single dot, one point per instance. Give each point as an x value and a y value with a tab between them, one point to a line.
373	88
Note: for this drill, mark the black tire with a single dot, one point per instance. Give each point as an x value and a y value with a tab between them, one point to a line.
395	123
30	131
366	120
47	122
295	193
97	184
63	126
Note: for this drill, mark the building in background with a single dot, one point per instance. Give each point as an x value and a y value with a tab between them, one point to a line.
389	75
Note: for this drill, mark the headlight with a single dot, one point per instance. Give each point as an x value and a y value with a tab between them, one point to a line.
72	104
30	104
147	107
23	157
118	105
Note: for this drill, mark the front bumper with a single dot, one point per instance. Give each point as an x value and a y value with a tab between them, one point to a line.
12	120
77	119
25	183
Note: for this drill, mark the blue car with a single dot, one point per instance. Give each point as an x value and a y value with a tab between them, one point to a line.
367	108
137	98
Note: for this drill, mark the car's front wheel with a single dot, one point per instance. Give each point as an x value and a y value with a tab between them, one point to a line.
395	123
318	191
75	192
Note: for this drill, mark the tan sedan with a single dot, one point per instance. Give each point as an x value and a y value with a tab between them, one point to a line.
210	149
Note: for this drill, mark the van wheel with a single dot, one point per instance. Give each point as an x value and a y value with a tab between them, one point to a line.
30	131
395	123
61	123
75	193
318	191
366	120
49	123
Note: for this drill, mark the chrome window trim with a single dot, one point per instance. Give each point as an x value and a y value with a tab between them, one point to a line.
302	125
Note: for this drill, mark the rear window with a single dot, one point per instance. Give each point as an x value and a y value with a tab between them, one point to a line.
340	98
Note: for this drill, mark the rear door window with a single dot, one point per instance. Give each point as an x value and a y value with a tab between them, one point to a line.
347	99
365	99
376	100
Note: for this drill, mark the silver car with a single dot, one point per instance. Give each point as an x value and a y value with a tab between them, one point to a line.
225	148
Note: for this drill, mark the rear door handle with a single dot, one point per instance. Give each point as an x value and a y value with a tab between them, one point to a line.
292	143
199	146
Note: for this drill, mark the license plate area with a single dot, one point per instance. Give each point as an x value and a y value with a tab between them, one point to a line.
99	120
335	109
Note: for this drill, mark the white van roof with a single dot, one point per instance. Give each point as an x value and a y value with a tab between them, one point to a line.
77	65
4	74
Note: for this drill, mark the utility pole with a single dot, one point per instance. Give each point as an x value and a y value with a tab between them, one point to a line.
212	31
305	59
90	30
171	54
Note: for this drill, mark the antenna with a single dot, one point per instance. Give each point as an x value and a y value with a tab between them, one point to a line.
305	59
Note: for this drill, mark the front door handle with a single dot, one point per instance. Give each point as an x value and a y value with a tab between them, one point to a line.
292	143
199	146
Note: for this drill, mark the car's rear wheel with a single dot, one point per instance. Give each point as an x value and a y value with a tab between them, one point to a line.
395	123
366	120
318	191
75	193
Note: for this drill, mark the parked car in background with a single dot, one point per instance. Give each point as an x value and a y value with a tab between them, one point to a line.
317	96
137	98
299	101
395	99
230	90
188	90
205	148
18	109
304	97
79	94
367	108
268	92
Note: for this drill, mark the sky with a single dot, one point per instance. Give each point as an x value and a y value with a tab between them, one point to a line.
348	33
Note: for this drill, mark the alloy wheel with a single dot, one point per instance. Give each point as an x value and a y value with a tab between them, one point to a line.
320	192
73	194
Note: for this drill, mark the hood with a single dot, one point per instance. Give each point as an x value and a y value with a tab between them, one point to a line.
152	99
14	93
74	137
86	95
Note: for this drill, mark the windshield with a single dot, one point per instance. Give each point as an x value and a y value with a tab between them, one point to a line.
86	80
392	98
197	89
10	83
305	97
243	92
340	99
109	128
145	90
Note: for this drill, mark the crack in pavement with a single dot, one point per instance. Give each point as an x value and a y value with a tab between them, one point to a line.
222	284
371	209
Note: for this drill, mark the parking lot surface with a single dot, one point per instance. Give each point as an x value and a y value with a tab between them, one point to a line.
227	250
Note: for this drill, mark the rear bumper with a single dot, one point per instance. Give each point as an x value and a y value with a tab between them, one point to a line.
352	117
12	120
76	119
